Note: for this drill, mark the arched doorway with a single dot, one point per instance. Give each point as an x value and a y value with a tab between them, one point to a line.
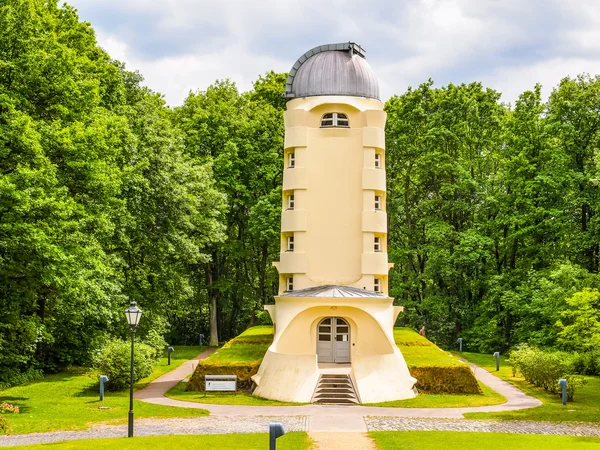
333	341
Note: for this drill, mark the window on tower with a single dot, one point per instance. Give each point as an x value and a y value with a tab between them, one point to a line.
377	285
378	202
330	120
291	160
377	244
290	201
290	243
378	160
289	284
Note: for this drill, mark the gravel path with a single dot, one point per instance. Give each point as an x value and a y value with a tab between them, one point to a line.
158	427
482	426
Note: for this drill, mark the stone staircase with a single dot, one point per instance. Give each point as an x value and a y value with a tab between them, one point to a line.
335	389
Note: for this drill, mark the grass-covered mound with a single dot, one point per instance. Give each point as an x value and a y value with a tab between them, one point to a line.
241	356
436	371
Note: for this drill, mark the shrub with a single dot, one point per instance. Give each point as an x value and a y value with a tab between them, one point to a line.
574	382
544	369
263	318
114	359
7	407
4	425
587	363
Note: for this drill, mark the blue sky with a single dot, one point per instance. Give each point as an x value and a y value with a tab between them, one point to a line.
509	45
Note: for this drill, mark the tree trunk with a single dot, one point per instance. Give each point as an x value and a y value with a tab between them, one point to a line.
212	307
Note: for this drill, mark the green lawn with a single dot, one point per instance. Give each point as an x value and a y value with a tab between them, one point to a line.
489	397
419	351
584	408
420	440
250	346
70	401
255	441
222	398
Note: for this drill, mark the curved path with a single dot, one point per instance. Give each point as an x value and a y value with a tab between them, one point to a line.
316	419
325	418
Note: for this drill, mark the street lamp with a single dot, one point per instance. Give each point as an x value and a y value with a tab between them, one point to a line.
133	314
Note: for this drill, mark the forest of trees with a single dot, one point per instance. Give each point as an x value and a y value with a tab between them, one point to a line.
107	195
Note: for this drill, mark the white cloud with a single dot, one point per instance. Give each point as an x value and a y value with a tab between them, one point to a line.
182	45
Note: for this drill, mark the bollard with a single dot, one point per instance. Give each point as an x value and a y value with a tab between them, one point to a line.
169	351
460	344
201	339
103	379
497	356
276	430
563	383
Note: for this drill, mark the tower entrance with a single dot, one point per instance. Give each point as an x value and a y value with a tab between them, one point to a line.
333	341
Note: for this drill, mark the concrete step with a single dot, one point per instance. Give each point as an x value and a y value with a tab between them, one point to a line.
334	389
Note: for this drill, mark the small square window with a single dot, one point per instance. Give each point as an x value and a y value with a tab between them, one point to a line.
377	160
378	202
377	244
290	243
292	160
289	285
377	285
291	201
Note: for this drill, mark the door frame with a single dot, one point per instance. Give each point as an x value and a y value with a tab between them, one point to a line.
333	333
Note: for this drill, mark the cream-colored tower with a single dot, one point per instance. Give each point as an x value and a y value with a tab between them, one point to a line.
333	305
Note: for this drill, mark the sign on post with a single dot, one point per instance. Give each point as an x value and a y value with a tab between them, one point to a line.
223	383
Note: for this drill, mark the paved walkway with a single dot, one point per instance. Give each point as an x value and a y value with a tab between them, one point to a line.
328	425
325	418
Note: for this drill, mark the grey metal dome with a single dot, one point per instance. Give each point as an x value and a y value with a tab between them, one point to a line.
333	69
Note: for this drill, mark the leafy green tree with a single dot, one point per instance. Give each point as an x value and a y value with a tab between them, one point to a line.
580	322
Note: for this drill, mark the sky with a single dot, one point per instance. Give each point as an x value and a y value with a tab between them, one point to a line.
509	45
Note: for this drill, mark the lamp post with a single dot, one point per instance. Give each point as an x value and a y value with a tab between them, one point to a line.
133	314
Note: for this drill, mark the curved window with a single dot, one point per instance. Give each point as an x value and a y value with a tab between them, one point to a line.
335	120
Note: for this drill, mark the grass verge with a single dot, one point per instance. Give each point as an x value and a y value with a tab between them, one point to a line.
255	441
584	408
418	440
70	401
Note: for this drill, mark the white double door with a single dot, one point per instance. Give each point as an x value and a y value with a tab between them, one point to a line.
333	341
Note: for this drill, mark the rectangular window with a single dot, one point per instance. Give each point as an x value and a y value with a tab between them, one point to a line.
378	160
378	202
291	201
377	285
377	244
290	243
292	160
289	285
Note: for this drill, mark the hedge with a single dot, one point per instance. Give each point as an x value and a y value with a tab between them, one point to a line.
445	380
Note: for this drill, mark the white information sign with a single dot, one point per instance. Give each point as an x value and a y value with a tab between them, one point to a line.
220	384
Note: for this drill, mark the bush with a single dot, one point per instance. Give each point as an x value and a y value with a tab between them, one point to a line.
4	425
587	363
574	382
263	318
114	359
544	369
